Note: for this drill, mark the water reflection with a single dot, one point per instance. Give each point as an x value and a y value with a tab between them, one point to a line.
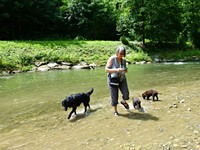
66	82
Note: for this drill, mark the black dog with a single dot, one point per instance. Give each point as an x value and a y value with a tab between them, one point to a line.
150	93
137	103
75	100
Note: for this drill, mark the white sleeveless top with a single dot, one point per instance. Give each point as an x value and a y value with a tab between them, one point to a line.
116	65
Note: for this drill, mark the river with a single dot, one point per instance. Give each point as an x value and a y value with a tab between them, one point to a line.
32	116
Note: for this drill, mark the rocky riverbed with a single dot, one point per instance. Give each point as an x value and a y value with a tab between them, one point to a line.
172	123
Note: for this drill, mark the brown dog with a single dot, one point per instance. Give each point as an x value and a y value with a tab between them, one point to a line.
136	103
149	93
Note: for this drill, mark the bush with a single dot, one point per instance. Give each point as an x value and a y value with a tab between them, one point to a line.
138	56
124	40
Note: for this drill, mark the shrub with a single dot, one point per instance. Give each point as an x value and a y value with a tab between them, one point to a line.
138	56
124	40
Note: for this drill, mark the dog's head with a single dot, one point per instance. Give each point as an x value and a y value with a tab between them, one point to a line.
144	95
64	104
136	103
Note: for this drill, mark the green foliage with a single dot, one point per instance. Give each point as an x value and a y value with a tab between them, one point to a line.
22	19
153	20
176	55
124	40
22	55
165	21
91	19
25	59
138	56
191	21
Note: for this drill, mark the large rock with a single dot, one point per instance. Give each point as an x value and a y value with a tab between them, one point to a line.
82	65
43	68
62	67
52	65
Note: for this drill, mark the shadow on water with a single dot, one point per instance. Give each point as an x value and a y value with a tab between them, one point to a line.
155	100
140	116
80	116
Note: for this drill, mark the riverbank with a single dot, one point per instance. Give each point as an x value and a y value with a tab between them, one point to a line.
23	56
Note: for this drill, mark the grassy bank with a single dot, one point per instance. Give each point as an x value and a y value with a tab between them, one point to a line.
22	55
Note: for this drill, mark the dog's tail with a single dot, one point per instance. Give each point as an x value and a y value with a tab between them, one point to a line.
90	92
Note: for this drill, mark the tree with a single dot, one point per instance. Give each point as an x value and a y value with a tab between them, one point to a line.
191	20
22	19
158	21
91	19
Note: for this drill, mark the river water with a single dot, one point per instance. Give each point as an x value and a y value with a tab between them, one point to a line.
32	116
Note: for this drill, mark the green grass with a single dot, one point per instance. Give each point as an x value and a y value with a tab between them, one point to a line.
22	55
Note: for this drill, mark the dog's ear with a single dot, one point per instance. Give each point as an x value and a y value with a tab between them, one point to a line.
64	105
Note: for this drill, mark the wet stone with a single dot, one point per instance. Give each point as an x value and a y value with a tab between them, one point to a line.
182	101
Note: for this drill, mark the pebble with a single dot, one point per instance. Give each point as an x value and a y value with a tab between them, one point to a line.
175	145
183	146
196	132
176	140
138	148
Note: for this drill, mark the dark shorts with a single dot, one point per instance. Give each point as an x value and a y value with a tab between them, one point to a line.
114	92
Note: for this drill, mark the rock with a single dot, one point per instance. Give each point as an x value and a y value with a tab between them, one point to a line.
43	68
175	145
38	64
196	132
183	146
66	64
81	65
157	59
16	71
176	140
141	62
93	65
52	65
198	146
178	63
182	101
62	67
174	103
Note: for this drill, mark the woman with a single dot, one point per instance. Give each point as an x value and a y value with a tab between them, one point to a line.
116	69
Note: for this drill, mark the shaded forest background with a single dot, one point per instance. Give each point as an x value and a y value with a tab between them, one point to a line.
148	21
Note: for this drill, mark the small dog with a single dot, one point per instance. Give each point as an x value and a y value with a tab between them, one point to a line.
137	103
149	93
75	100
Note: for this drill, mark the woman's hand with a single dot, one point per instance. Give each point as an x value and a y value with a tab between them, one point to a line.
121	70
